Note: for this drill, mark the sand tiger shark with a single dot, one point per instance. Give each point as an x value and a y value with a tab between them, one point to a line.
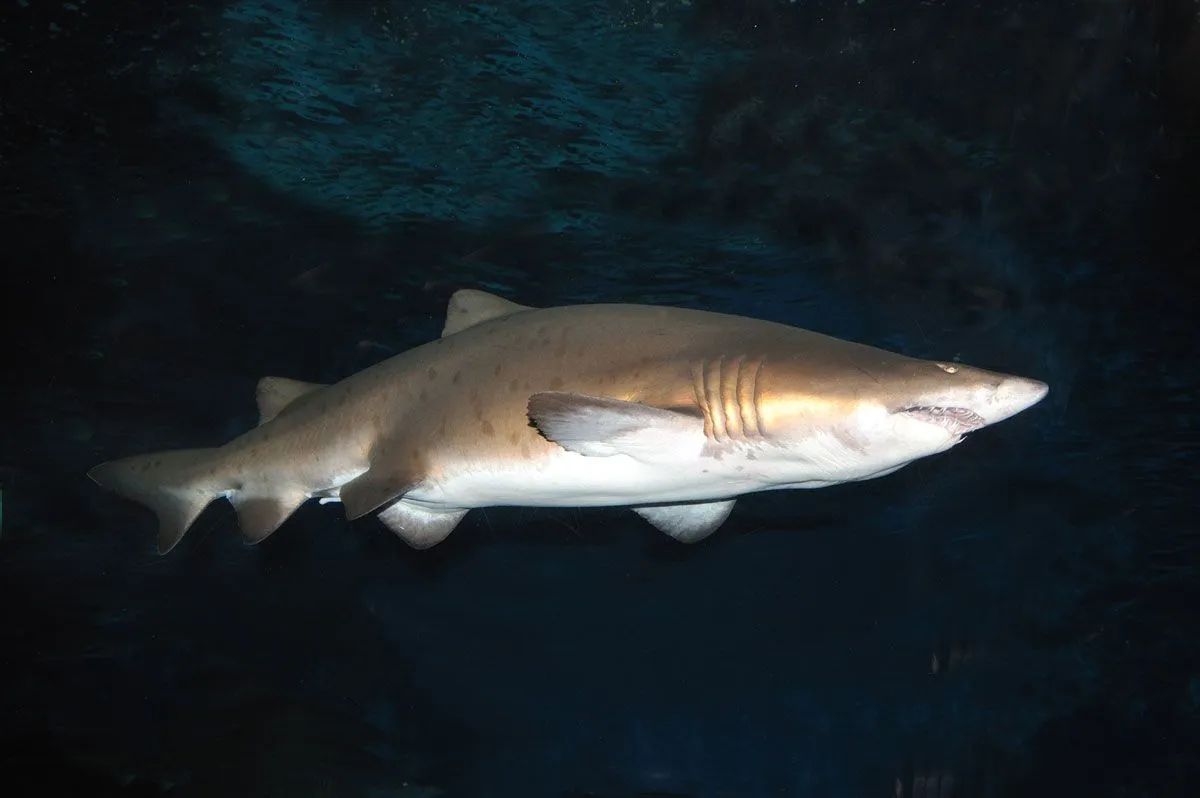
672	412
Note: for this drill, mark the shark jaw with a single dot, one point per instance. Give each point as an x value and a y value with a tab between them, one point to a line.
957	421
962	412
674	413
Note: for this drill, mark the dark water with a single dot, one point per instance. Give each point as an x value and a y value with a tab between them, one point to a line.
200	194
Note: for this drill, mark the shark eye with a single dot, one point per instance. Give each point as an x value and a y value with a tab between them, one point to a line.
949	368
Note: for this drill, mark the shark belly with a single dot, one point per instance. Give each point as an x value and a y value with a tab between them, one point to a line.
567	479
573	480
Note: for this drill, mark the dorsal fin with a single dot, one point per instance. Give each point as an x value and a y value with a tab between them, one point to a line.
469	307
276	393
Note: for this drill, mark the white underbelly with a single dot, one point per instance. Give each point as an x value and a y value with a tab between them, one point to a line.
682	470
573	480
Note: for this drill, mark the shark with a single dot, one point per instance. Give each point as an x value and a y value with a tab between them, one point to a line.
672	412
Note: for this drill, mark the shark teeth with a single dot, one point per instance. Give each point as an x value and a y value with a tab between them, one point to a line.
955	420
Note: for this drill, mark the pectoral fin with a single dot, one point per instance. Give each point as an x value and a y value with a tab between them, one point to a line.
597	426
687	523
418	527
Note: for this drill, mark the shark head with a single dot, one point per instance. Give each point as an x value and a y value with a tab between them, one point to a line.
870	413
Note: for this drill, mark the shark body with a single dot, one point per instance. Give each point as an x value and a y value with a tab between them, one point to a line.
672	412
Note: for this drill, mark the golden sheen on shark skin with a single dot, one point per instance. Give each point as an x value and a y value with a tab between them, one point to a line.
672	412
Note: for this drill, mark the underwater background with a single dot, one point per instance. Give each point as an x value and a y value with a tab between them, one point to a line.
198	194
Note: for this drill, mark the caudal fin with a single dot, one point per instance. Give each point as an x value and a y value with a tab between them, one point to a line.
176	485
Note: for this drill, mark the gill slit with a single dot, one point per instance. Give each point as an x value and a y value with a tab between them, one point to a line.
729	395
713	396
750	399
698	395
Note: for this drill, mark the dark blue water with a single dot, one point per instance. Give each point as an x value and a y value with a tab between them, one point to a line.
200	194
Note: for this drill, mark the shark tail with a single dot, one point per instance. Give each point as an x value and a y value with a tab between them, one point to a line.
176	485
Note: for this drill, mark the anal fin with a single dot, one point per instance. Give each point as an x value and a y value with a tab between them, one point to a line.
259	516
687	523
419	527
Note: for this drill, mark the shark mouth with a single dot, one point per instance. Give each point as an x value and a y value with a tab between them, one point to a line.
955	420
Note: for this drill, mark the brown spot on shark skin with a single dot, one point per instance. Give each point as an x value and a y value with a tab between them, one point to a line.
432	373
499	367
457	376
556	383
513	438
487	429
512	386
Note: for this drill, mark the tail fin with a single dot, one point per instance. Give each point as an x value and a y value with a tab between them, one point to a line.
176	485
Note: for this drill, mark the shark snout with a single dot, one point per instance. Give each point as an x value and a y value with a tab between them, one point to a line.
1013	395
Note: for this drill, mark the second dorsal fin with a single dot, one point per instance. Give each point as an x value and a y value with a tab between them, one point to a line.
275	393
